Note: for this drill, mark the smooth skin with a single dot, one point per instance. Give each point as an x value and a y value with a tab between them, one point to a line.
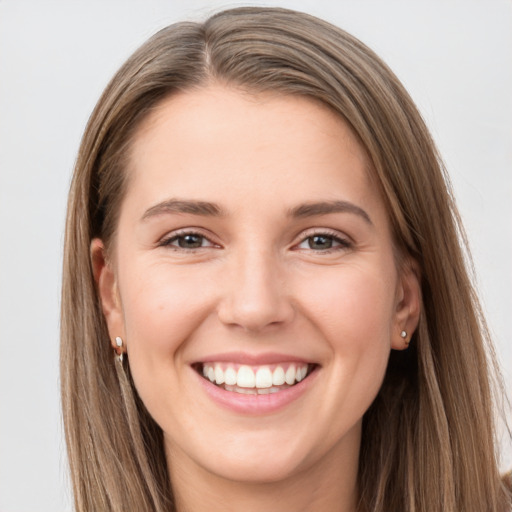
218	250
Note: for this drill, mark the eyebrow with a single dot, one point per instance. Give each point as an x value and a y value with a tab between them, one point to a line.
208	209
203	208
326	207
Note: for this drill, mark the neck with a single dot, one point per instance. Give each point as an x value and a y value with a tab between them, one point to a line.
327	485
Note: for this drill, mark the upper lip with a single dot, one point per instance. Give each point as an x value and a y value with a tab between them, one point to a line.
252	359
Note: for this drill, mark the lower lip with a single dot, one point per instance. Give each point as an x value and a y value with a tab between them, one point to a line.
257	404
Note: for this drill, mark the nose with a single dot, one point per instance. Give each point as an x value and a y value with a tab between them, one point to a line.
254	292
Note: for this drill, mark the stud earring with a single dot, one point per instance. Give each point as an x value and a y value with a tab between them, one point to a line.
403	335
119	351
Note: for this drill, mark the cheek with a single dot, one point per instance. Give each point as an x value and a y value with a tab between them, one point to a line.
161	308
354	310
353	304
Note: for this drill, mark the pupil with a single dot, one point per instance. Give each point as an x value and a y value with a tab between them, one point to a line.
320	242
190	241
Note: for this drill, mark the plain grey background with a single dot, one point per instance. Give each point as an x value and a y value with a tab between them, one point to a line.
455	58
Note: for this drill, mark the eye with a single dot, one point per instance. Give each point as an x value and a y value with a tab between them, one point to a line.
187	240
324	242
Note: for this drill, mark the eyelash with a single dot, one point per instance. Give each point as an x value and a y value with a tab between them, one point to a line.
333	237
175	237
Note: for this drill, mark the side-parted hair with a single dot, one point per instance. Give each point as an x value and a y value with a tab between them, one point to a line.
428	441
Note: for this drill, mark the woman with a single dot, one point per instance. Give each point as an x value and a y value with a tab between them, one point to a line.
260	226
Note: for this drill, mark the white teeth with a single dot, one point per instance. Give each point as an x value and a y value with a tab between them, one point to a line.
261	379
254	391
290	375
219	375
301	373
246	391
268	391
264	377
245	377
230	376
278	376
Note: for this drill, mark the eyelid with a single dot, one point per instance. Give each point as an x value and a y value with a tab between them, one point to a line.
344	240
166	240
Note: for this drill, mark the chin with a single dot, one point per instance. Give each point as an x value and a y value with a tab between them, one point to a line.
250	471
257	457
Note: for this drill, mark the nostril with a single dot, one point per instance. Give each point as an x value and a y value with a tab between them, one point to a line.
255	297
252	316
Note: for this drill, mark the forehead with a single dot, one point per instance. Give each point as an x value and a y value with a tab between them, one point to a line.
221	140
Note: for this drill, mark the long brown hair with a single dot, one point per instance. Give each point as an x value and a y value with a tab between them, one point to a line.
428	439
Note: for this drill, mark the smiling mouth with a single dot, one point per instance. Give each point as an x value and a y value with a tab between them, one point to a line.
254	380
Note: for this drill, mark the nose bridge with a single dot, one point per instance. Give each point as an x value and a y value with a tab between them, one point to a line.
256	295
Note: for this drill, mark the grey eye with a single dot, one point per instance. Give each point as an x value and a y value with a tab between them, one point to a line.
190	241
324	242
320	242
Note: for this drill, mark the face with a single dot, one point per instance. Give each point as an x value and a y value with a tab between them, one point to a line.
254	283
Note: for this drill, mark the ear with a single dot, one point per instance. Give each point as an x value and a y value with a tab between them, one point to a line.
408	305
106	284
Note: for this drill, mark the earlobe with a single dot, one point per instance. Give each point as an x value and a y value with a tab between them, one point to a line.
408	306
106	284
